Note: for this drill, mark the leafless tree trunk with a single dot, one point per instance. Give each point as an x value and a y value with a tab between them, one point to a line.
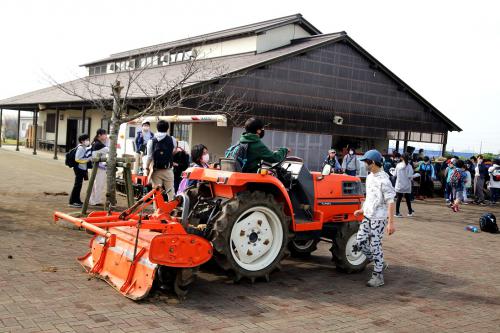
164	95
113	140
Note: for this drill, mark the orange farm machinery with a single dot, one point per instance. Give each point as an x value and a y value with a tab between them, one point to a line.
247	223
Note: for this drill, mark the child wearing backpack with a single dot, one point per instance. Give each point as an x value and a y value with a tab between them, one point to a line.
250	150
457	183
77	158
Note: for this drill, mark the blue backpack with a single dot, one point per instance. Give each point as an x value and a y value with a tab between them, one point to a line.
238	152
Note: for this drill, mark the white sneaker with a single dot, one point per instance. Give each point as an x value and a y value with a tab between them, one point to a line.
411	214
377	280
398	215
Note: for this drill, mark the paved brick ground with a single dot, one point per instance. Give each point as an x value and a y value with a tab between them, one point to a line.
441	278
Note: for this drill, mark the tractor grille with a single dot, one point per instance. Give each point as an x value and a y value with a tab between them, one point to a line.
351	188
338	218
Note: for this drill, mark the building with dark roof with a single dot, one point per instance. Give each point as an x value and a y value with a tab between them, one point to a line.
313	90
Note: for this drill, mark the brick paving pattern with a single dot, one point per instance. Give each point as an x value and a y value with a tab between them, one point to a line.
441	278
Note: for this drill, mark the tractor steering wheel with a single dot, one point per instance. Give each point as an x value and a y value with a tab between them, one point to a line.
276	165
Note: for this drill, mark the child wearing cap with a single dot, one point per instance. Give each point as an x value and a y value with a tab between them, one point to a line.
378	211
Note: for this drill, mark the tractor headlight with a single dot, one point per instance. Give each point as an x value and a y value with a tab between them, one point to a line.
351	188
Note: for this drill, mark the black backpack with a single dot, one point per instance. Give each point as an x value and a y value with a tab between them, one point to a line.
70	160
488	223
162	153
238	152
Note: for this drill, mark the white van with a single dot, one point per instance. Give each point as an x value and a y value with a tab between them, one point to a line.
126	135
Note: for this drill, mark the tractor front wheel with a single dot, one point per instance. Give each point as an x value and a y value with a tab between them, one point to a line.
250	235
303	248
343	254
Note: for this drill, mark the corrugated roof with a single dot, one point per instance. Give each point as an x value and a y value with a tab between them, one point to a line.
210	69
242	30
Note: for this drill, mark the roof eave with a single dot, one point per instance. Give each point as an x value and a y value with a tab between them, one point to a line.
299	20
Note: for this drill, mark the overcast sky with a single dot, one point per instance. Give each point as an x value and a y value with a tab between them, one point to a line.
448	51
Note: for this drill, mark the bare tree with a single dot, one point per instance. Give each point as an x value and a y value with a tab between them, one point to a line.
135	93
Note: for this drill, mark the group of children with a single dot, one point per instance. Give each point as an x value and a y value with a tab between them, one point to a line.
461	178
84	153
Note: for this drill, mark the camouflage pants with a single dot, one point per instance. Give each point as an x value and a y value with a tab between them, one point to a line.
369	239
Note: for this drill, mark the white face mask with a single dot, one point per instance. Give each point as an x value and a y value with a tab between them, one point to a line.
86	143
205	158
351	152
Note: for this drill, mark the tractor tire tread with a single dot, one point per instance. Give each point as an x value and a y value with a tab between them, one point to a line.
222	231
338	248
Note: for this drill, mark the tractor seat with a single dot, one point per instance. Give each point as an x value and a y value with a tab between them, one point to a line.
302	195
227	164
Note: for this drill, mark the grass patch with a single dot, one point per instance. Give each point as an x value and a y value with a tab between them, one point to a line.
12	142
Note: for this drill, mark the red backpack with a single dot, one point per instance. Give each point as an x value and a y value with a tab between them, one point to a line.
455	178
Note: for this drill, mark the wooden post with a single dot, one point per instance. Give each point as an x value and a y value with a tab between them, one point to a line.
445	141
127	175
18	128
83	120
1	124
35	125
57	133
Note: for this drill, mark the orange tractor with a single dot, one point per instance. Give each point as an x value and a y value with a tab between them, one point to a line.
245	222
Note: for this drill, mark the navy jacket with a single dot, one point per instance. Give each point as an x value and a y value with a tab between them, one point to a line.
483	171
140	143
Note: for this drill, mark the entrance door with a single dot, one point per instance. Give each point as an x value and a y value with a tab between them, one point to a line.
71	134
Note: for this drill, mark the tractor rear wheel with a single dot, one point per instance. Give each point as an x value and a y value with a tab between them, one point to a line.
345	258
302	248
250	235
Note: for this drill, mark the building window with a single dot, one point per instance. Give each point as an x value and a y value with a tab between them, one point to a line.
181	132
158	59
105	123
50	123
131	132
172	57
188	55
165	58
96	70
179	56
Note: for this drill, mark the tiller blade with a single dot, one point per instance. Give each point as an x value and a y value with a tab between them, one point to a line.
128	249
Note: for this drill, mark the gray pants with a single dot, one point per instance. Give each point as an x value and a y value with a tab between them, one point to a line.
137	163
369	239
165	178
479	189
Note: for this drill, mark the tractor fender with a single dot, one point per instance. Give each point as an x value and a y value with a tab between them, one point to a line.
278	191
226	184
